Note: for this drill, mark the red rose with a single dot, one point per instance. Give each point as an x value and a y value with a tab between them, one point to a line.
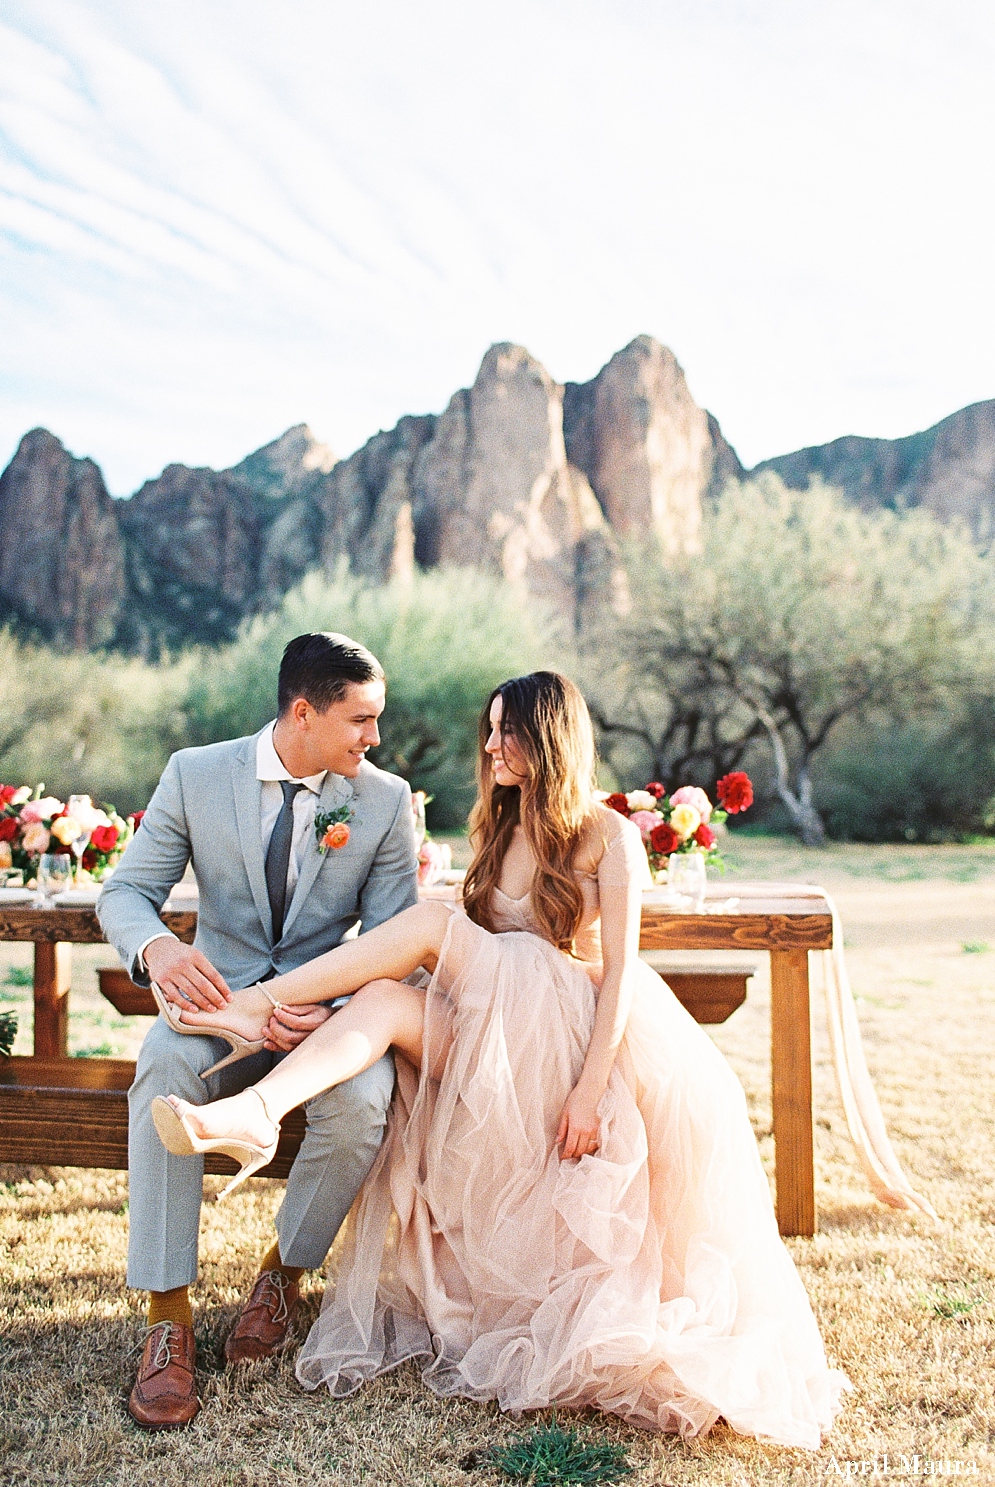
618	802
8	828
89	859
705	836
735	792
104	838
7	793
656	790
136	819
664	839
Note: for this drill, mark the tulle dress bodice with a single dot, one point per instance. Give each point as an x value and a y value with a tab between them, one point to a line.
622	859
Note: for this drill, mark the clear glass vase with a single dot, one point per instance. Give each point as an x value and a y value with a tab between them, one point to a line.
686	875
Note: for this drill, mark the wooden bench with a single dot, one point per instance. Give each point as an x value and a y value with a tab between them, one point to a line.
73	1112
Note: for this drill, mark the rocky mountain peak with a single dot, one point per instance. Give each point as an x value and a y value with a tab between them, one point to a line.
649	451
287	464
61	552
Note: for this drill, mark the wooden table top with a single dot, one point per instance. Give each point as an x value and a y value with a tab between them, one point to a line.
753	922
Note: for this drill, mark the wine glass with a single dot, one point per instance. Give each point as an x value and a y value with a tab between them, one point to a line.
54	873
80	808
686	875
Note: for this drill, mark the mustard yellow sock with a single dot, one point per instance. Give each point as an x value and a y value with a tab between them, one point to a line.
170	1306
271	1261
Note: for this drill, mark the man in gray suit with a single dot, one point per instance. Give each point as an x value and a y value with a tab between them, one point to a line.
245	815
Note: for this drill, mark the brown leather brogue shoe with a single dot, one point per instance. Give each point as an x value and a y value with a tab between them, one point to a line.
265	1320
165	1392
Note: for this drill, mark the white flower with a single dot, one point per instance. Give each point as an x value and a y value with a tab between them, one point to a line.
641	800
20	796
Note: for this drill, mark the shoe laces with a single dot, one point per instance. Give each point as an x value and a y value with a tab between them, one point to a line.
165	1344
279	1283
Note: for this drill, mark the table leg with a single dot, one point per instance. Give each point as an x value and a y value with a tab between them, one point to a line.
791	1082
53	973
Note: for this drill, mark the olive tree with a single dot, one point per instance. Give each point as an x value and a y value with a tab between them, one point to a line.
798	613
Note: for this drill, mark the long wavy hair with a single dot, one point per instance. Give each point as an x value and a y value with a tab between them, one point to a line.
551	727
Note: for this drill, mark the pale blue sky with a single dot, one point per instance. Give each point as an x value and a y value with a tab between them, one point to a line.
221	217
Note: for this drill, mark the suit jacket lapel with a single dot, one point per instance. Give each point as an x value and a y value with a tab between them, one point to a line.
335	791
248	797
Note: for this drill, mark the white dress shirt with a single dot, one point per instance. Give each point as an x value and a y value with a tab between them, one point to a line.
270	770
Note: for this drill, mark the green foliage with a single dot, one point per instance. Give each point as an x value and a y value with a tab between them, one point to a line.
948	1305
551	1455
8	1032
802	617
930	779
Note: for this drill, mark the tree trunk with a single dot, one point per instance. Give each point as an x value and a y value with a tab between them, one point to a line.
803	813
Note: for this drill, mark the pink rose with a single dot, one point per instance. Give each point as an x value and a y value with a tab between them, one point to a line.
645	820
41	810
36	838
692	796
431	862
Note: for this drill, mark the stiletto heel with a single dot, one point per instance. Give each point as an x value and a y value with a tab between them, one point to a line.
240	1047
178	1136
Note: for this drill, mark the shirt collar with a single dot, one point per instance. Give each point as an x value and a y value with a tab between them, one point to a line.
269	765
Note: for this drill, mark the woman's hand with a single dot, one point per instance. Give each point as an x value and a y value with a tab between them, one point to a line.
579	1125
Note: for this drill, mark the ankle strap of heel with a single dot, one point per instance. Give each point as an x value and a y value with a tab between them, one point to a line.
253	1089
278	1006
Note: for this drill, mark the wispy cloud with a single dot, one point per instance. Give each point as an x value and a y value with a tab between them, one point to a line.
218	217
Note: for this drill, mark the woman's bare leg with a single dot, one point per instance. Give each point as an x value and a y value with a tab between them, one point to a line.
393	950
381	1015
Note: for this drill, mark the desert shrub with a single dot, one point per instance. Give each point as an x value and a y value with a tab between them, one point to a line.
927	780
103	725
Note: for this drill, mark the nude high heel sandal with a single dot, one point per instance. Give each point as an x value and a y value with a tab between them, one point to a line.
240	1047
178	1136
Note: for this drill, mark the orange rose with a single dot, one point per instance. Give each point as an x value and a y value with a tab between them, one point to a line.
335	837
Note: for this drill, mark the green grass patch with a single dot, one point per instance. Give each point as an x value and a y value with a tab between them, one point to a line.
948	1305
975	947
550	1455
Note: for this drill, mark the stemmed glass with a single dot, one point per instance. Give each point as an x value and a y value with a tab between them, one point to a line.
54	872
686	875
79	809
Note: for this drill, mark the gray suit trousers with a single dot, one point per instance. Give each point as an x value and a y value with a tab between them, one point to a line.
345	1128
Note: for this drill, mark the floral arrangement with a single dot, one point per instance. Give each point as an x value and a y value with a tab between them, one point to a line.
435	859
32	823
684	821
331	828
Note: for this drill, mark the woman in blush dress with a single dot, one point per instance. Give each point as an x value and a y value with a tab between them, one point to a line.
569	1207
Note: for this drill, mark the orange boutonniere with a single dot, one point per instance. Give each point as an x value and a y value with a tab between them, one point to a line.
331	829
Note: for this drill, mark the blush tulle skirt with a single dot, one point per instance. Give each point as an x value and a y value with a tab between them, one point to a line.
648	1280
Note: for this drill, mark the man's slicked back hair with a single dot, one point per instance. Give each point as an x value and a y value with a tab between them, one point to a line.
320	667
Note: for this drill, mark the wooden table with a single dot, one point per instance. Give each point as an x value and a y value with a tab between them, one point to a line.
786	929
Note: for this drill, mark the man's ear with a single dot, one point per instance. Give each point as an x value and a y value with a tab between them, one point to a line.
300	710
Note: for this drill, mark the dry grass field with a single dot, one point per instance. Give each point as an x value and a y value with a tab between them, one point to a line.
905	1306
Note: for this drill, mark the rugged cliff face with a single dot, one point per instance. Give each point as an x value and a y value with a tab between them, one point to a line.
61	551
519	476
649	451
948	469
486	484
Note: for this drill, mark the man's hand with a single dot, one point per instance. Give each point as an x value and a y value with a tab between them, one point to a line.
185	975
288	1027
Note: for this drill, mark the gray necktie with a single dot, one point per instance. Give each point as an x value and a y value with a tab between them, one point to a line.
278	856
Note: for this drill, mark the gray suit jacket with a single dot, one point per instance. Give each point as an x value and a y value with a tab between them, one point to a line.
206	810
